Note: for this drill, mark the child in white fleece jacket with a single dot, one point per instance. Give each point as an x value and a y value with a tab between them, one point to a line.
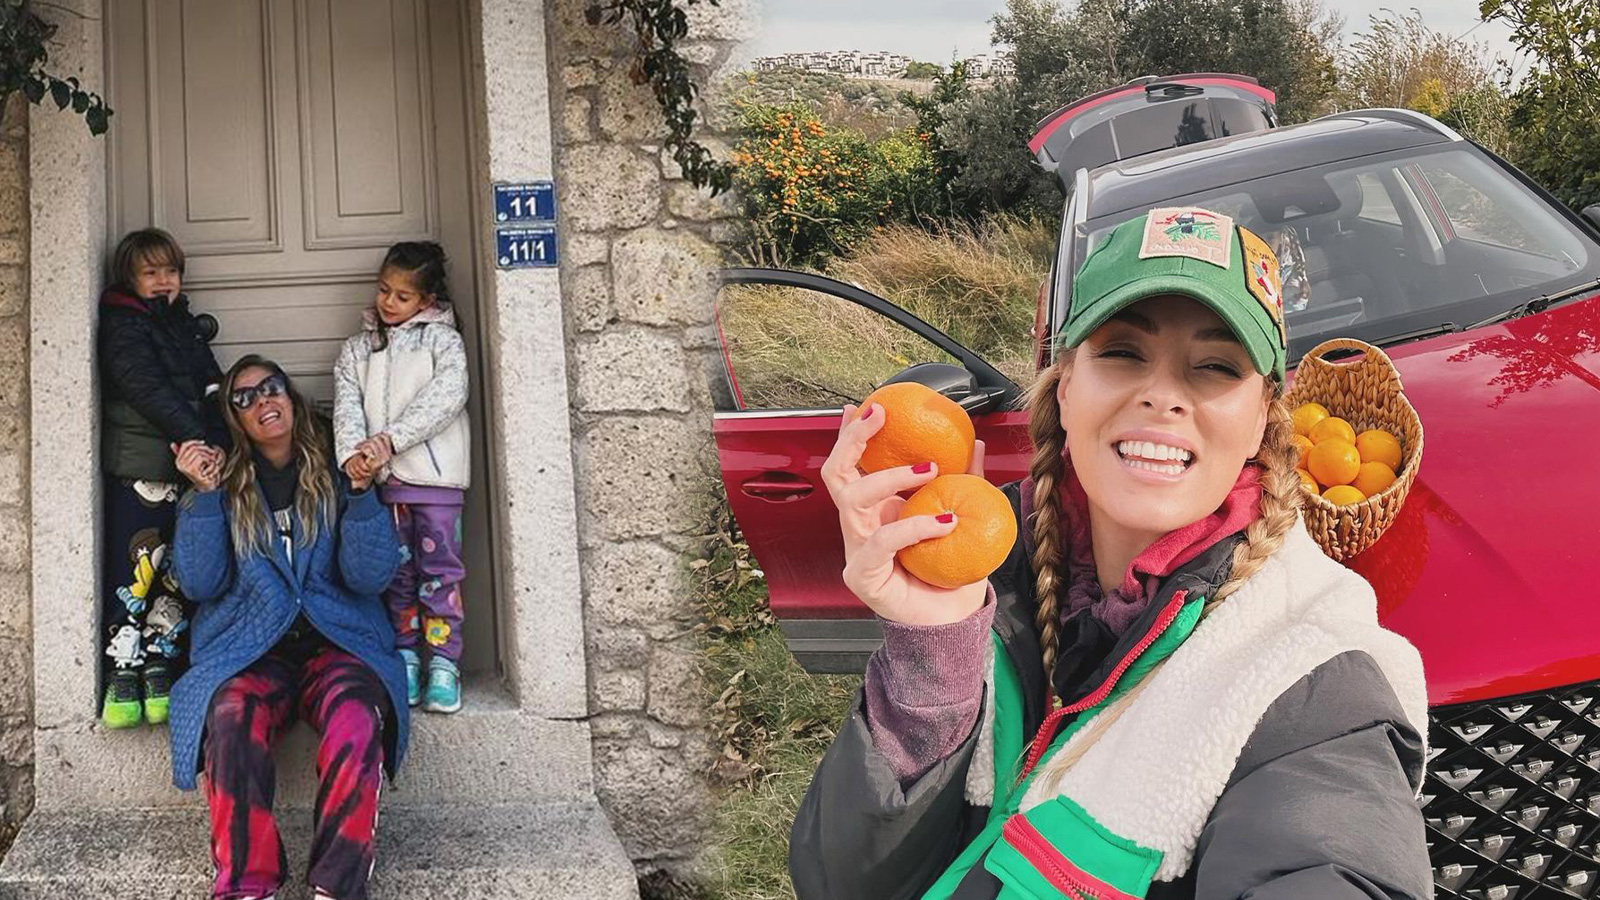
400	398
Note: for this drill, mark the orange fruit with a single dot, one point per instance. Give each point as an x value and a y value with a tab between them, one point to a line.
1332	427
1373	477
1343	495
1334	461
985	531
1379	446
1309	482
920	425
1302	447
1308	414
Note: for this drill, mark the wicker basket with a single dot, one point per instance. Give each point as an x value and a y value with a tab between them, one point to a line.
1366	392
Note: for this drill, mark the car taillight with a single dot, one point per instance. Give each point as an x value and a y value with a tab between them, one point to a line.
1512	798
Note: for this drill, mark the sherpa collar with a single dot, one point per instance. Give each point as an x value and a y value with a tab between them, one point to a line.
436	313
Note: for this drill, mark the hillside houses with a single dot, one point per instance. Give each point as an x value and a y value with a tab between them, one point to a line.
873	64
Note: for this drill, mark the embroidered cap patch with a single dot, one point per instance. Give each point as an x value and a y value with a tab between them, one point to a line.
1188	231
1262	278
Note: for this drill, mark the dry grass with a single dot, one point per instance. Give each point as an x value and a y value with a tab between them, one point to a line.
978	284
772	719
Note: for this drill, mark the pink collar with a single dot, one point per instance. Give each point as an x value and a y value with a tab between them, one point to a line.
1168	554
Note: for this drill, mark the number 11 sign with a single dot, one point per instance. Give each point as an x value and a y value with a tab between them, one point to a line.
533	201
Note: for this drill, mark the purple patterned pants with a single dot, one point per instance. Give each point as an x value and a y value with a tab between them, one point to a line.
424	599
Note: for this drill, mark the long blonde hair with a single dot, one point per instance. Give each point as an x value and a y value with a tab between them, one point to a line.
1280	505
314	495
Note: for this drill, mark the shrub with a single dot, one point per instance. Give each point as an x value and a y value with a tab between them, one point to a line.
811	190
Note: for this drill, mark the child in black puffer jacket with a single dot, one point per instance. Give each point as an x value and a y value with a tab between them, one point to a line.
157	375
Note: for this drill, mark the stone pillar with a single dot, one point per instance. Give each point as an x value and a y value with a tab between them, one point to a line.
527	361
639	256
16	619
68	225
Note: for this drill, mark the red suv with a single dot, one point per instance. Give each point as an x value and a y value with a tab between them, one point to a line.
1390	228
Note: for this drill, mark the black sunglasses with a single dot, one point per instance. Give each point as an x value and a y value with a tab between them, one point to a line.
274	385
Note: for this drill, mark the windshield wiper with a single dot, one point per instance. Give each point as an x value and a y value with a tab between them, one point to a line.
1538	304
1420	333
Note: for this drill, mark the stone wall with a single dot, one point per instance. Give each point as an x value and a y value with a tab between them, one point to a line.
638	255
16	620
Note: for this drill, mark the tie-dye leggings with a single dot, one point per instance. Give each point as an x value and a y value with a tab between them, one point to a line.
343	700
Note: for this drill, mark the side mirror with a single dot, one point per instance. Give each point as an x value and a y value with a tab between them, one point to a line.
954	382
1592	214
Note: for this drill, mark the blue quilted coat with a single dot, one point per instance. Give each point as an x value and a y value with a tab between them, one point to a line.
243	605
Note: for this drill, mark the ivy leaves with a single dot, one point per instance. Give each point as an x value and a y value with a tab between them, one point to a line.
23	56
659	25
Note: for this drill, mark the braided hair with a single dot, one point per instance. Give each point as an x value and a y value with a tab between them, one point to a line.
1047	469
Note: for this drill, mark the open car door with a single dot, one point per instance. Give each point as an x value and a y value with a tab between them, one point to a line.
795	349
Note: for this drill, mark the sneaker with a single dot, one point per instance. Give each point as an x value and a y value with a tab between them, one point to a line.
413	676
122	708
444	686
157	688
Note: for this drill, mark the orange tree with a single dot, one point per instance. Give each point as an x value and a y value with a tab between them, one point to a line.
811	191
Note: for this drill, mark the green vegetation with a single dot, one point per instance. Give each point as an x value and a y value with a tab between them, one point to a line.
1553	112
872	107
955	148
924	70
812	191
1400	61
25	41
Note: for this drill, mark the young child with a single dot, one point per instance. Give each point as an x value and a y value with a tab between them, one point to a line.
156	377
400	398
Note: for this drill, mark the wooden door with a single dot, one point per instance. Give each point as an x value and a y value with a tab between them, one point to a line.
286	144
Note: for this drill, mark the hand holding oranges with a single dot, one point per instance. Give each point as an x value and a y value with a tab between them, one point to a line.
878	525
1342	466
874	532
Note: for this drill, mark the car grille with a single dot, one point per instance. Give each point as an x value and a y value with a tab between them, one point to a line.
1512	799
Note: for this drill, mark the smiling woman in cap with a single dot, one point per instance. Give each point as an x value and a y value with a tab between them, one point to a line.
1167	690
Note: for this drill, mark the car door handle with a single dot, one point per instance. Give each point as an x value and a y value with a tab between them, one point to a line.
778	486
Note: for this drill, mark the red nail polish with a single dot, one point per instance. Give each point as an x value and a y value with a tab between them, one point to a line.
922	468
945	518
867	414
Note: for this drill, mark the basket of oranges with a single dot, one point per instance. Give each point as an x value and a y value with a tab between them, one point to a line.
1360	442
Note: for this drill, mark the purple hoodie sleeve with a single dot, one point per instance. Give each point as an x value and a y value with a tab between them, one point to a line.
924	690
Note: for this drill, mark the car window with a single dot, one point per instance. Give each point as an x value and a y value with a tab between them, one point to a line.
1375	201
1475	213
1384	246
794	348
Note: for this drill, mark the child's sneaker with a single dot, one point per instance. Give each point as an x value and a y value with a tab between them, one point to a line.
122	708
413	676
444	686
157	688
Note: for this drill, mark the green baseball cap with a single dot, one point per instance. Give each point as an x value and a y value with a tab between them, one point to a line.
1194	252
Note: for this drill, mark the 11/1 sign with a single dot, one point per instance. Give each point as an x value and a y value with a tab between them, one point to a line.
534	201
525	248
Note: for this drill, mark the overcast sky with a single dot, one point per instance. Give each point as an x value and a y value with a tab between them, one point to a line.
934	30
